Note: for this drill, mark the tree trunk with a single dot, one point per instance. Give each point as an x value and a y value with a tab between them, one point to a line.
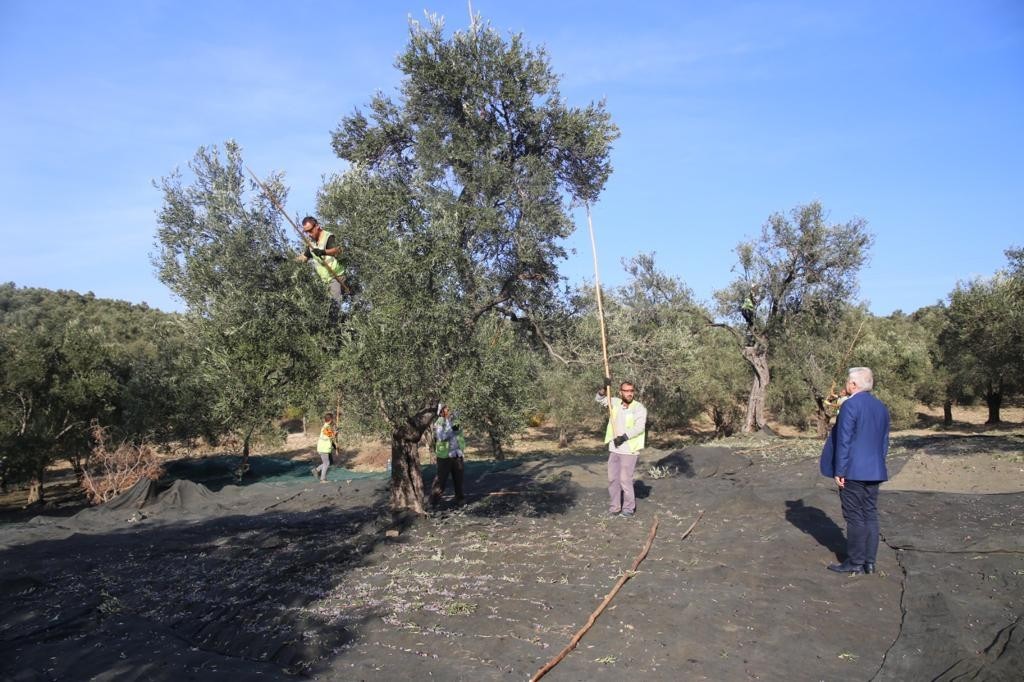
496	448
994	400
563	437
821	417
757	356
406	476
35	490
947	413
244	466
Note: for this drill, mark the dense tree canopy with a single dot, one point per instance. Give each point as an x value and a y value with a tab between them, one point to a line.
453	212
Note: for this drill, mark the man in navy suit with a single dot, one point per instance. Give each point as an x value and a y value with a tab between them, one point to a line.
854	455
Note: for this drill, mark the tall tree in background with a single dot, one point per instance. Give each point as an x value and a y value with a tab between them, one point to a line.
453	212
983	340
800	267
259	318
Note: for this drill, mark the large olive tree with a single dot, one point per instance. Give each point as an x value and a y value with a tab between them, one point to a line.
801	268
452	213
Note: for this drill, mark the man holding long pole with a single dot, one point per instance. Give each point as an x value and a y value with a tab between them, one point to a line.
626	436
322	248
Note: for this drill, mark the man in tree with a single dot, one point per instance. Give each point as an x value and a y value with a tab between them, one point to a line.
324	255
626	437
855	457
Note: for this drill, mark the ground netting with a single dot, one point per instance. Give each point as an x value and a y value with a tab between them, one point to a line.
274	581
217	472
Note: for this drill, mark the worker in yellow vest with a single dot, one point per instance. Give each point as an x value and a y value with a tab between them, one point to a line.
324	254
626	436
325	446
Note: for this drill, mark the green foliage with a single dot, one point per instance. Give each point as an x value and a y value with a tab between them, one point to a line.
76	359
453	214
259	318
795	278
799	266
53	382
982	344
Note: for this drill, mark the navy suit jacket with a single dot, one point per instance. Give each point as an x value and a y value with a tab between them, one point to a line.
857	446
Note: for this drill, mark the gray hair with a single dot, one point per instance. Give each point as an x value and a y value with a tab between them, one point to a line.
863	376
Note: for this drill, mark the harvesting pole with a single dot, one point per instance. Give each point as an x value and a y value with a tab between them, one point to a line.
600	311
302	235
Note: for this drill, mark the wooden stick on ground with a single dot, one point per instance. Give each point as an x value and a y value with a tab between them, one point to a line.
618	585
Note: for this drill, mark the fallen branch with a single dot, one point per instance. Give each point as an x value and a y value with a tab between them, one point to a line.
618	585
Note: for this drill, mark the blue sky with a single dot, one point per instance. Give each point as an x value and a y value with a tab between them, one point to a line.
908	114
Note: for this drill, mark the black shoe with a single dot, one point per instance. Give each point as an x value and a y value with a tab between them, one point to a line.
626	514
847	567
869	567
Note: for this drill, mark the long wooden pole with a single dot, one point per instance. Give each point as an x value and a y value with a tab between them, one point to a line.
302	235
600	310
608	598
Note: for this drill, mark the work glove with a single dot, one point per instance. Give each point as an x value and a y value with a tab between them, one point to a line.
319	253
619	440
608	382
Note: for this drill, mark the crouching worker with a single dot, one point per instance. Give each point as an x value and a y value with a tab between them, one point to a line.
450	448
626	436
325	446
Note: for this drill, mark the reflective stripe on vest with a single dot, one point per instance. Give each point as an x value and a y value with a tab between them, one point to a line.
324	444
327	267
636	443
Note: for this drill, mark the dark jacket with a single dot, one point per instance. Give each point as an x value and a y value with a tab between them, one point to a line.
858	444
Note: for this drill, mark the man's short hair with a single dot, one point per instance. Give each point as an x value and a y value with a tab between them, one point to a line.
310	220
863	376
627	383
329	417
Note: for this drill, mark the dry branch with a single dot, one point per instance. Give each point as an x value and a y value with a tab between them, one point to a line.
601	607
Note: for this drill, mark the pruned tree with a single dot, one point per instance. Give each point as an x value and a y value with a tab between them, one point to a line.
800	267
259	318
453	212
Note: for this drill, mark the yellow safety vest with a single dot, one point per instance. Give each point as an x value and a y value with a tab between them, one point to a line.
327	267
636	443
325	444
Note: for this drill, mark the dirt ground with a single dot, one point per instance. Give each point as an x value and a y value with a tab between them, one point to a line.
282	581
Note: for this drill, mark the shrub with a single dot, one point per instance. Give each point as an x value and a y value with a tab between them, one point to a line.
111	471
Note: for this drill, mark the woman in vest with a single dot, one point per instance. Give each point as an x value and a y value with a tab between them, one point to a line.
324	447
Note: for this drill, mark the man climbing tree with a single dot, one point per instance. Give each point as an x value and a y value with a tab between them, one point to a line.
324	252
455	203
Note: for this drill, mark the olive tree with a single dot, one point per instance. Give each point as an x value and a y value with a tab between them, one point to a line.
982	343
453	212
259	318
800	269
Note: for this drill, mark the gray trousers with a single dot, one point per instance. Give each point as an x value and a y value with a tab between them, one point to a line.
620	482
325	457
